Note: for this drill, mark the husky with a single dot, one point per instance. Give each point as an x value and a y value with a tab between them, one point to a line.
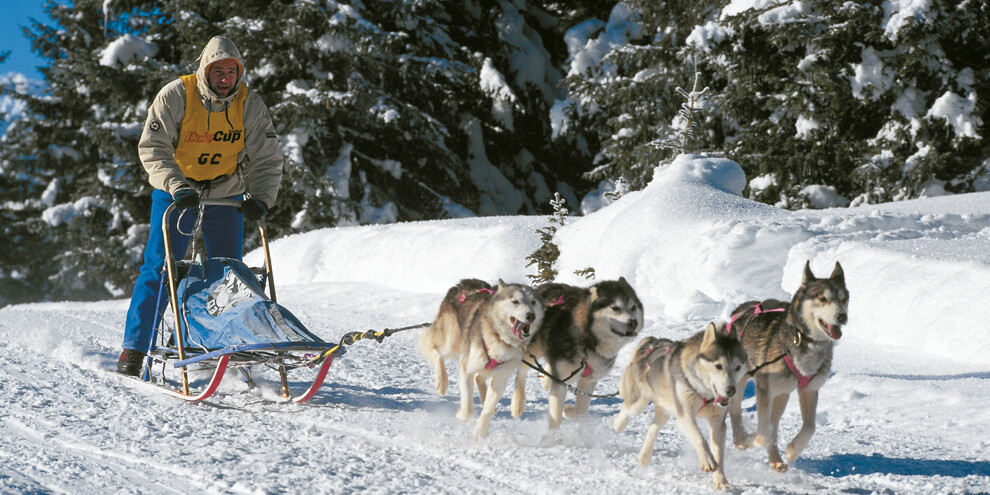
488	328
581	336
789	347
688	379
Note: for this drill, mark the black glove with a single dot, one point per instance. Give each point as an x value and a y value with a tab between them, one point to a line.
253	209
186	198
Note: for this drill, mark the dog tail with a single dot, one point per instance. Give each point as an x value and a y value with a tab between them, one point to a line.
627	384
639	366
434	338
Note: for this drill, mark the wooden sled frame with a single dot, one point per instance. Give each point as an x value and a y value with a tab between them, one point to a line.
232	356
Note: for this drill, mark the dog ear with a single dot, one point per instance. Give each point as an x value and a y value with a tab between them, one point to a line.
837	274
711	333
593	291
501	284
808	275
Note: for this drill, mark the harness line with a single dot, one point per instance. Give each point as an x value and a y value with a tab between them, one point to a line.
350	338
584	366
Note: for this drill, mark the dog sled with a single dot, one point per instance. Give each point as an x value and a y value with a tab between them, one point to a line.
223	319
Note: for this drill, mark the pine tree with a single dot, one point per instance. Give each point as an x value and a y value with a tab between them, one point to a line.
545	256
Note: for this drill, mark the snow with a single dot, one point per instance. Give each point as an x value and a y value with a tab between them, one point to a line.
126	48
961	113
899	14
902	412
589	41
870	74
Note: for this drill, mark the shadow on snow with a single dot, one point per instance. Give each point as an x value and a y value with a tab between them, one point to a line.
840	465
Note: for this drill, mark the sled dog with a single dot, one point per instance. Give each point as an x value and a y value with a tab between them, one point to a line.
579	340
789	347
488	328
688	379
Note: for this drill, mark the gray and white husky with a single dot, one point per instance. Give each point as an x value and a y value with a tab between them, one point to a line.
688	379
487	328
790	348
581	336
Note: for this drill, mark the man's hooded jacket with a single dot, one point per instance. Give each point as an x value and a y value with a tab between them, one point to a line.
258	168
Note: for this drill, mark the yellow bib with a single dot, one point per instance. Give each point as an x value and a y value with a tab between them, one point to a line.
204	151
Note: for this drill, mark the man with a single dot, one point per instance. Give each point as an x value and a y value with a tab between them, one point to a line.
206	136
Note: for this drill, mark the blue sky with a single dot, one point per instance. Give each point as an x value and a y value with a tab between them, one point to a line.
16	13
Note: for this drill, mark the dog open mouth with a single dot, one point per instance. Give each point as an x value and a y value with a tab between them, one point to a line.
519	329
722	401
631	333
834	331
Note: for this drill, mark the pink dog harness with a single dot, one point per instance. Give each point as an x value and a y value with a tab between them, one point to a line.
757	310
491	361
480	291
802	379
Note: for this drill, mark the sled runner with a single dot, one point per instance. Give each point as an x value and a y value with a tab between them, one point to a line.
223	319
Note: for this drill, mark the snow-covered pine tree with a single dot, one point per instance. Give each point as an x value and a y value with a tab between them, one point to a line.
879	103
623	79
386	110
73	154
874	100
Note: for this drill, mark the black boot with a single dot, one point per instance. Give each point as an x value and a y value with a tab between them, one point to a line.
130	362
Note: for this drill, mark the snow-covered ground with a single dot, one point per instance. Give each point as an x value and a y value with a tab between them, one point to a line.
902	413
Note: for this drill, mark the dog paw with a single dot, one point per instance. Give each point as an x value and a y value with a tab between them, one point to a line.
743	442
780	466
759	441
480	435
719	482
464	416
709	465
440	384
571	412
645	458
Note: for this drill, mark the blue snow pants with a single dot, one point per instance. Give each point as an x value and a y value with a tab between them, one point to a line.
223	234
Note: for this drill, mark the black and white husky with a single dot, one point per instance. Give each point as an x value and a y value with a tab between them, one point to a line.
581	336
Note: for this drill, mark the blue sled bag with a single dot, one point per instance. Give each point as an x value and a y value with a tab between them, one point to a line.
224	304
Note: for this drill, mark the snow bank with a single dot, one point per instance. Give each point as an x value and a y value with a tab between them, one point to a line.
694	248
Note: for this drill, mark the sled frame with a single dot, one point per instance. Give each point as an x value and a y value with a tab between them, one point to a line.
275	354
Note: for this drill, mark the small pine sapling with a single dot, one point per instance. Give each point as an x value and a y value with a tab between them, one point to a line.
692	99
545	257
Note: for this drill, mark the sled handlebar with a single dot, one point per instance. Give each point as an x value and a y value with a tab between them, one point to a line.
236	203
